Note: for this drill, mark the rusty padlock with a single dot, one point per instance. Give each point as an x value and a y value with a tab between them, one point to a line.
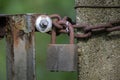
62	57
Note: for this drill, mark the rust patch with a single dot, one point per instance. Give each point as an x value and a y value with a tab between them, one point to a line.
29	40
16	38
19	29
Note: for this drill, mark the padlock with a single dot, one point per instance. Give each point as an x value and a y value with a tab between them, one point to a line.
62	57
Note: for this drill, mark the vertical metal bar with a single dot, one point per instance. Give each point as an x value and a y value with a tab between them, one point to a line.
20	48
71	33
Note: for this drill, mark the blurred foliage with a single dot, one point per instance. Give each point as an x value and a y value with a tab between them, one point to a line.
62	7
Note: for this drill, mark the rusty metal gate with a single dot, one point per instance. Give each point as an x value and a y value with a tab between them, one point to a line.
19	32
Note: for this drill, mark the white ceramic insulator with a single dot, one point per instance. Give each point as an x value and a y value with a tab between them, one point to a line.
49	25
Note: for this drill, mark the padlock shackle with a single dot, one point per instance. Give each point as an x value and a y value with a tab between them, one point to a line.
53	36
71	32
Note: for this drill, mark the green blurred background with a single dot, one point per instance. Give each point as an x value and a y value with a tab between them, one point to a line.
62	7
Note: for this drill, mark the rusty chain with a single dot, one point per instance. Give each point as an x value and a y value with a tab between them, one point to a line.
61	26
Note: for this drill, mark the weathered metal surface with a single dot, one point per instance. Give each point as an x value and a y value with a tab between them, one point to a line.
20	48
99	57
62	57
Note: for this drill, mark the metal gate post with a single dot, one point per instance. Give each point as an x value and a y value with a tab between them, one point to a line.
20	48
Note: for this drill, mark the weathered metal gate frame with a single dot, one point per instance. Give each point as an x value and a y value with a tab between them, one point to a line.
19	30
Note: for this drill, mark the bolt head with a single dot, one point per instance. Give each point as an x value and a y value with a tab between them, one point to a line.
43	23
